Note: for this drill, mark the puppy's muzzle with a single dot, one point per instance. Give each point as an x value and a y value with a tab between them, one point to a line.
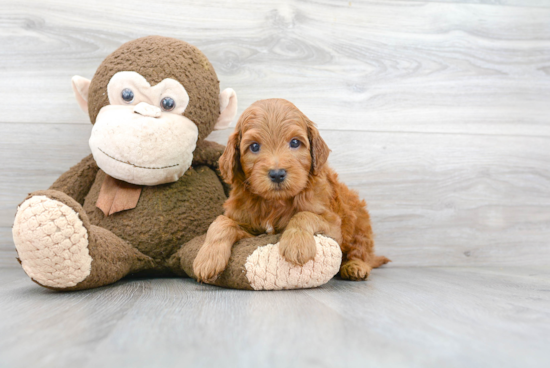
277	176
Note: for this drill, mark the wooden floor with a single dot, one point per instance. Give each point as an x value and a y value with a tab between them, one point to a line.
414	317
436	111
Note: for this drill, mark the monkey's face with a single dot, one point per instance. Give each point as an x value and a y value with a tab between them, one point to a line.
151	101
142	137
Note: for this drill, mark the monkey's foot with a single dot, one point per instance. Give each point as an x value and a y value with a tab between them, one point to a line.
266	269
52	242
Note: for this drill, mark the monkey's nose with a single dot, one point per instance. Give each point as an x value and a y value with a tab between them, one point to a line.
143	108
277	176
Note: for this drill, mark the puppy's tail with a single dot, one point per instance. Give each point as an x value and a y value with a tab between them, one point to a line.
378	261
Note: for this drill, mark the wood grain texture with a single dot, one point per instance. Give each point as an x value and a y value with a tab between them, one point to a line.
437	113
402	317
435	199
450	67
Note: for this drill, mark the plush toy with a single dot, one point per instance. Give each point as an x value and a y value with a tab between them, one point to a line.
143	200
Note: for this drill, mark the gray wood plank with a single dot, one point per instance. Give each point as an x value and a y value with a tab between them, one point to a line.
8	254
435	199
366	65
520	3
413	317
437	113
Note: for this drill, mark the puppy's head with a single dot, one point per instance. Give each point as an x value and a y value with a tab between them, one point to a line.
274	150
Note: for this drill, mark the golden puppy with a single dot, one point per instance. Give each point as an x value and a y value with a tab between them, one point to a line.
275	162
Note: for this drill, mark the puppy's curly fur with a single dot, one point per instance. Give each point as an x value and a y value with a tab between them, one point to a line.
273	135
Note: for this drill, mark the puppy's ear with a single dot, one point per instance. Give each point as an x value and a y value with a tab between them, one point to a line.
230	160
319	149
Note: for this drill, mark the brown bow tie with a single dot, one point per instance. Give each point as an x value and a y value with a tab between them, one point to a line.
117	195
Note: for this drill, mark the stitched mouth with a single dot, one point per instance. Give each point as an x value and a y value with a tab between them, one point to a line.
134	165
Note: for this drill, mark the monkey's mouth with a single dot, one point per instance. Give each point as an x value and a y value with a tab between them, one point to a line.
134	165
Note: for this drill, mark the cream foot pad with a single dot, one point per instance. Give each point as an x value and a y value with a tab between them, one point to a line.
267	270
52	242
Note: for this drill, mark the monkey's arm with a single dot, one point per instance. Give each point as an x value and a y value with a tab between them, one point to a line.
255	264
216	250
77	181
208	153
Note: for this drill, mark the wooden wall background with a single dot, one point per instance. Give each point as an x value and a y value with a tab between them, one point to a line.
437	112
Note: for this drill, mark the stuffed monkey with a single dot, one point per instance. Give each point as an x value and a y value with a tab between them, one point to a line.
143	200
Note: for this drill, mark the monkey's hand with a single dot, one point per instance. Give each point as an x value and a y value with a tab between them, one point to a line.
297	246
208	153
77	181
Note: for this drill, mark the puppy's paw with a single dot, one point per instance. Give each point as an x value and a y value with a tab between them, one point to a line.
209	263
297	246
355	270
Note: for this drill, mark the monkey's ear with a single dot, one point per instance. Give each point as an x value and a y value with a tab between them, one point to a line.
81	86
319	149
230	160
228	109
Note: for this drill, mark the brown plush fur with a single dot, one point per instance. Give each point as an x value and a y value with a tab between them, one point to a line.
157	58
235	275
310	200
113	257
148	237
167	215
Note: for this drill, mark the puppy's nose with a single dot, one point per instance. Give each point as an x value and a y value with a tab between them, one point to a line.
277	176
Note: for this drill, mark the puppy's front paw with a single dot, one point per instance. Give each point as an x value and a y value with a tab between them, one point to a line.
209	263
297	246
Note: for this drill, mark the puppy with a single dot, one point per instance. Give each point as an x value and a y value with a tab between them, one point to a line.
276	163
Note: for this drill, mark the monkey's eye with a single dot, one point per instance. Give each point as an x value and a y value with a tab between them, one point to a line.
168	103
127	95
294	143
255	147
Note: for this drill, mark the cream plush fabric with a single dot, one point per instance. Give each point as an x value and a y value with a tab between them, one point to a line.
138	142
267	270
228	109
52	242
142	150
144	92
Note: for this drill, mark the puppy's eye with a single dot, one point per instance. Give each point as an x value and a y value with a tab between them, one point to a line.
255	147
168	103
127	95
295	143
